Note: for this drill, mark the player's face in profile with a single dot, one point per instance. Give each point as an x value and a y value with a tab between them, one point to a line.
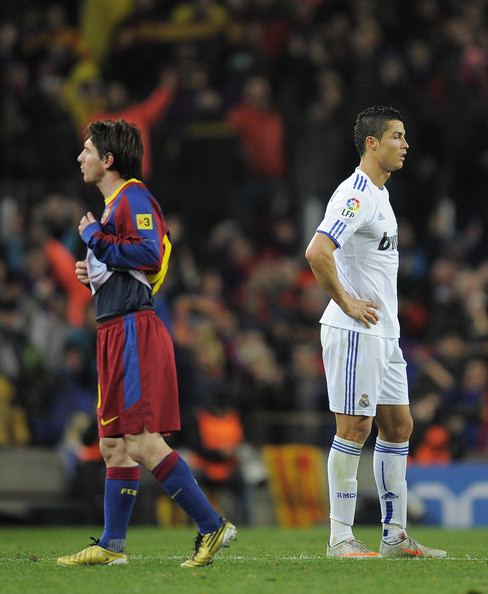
91	165
392	147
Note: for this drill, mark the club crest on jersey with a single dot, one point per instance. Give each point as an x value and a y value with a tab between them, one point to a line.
364	401
105	214
144	221
351	206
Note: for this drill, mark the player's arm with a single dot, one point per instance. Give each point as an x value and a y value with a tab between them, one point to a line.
136	246
320	256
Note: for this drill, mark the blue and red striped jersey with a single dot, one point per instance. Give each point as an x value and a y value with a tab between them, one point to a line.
128	251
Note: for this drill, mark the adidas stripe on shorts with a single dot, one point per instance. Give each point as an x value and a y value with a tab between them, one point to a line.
362	371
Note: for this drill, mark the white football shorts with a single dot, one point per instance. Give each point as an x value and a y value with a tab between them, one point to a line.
362	371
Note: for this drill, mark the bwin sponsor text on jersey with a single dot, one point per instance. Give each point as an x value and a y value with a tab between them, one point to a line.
388	242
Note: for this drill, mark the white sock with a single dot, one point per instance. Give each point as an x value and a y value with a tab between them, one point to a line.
342	468
390	468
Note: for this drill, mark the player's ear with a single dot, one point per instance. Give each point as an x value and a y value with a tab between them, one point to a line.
108	159
371	143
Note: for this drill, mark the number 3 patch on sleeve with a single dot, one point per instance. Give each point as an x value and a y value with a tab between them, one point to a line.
144	221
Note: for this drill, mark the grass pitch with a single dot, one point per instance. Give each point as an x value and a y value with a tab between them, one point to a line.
263	560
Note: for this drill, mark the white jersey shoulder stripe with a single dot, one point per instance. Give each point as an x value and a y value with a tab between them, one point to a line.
360	183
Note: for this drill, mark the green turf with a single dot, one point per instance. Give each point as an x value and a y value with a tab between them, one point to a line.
262	560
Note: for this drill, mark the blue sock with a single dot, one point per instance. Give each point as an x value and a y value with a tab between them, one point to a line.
176	478
121	488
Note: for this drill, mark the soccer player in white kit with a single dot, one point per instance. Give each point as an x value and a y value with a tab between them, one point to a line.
354	257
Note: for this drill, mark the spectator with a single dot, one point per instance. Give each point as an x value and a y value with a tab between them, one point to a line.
261	130
214	435
209	166
434	448
469	403
69	402
317	145
144	114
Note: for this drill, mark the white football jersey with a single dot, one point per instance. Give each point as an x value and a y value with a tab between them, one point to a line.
361	221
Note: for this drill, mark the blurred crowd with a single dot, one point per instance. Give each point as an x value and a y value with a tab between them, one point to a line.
246	108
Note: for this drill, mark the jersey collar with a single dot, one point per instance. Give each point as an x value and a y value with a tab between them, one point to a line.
124	185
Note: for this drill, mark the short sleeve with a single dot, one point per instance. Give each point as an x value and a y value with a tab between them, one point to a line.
346	211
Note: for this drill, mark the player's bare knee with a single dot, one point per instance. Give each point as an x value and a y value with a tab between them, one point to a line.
353	428
360	435
113	451
356	434
398	432
135	452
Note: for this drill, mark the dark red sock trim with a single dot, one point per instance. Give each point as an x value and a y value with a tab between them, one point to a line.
164	468
128	473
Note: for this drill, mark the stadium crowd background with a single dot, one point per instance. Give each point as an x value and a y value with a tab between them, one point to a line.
247	108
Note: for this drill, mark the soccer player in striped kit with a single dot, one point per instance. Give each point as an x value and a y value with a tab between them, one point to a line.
354	257
127	259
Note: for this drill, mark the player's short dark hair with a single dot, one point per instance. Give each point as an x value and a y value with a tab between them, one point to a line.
121	139
373	121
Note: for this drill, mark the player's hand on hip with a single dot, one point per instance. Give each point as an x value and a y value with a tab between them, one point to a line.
86	220
82	272
363	311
